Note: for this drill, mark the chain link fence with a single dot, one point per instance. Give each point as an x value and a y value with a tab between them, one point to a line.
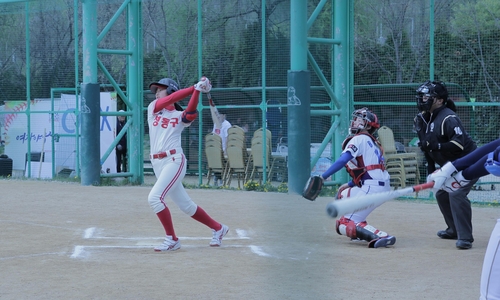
396	45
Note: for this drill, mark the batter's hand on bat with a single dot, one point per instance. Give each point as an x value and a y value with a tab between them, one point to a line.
203	85
441	175
455	182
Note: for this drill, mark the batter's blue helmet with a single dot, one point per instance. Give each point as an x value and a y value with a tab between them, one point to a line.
167	83
492	165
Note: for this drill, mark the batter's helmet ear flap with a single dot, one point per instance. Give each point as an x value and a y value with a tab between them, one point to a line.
171	89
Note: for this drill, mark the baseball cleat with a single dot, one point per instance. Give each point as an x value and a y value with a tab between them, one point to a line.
218	235
383	242
168	245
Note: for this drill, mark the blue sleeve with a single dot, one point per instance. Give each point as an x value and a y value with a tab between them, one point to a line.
338	164
476	155
476	170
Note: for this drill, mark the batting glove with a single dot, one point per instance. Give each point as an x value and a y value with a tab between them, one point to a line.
203	85
455	182
441	175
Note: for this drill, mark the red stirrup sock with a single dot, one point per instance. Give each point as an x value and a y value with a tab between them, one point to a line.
201	216
166	221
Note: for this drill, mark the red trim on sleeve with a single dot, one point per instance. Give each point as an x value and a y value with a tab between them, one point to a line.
175	97
193	102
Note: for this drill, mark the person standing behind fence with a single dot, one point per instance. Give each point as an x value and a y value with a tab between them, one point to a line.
443	138
166	121
225	125
121	147
221	127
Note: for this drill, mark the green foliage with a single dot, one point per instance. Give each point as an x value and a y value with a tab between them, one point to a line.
251	185
329	191
476	16
247	64
265	187
283	187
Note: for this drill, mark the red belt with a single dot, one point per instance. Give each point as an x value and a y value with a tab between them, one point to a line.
163	154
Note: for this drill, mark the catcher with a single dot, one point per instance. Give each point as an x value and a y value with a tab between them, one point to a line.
362	157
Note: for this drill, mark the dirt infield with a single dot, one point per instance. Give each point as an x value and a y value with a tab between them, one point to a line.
67	241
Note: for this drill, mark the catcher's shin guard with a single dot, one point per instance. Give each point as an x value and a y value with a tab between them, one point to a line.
375	238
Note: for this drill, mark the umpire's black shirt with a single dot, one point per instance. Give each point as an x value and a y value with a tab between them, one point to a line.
446	126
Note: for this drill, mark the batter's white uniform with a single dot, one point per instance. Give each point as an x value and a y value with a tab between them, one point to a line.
362	147
165	128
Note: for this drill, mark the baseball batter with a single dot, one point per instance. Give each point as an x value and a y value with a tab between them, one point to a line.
482	161
363	159
166	121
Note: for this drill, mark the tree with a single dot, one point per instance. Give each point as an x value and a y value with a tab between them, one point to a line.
476	25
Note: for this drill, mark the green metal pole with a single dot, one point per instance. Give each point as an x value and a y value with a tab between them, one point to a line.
77	102
135	137
431	40
90	99
200	104
264	100
299	117
343	77
28	84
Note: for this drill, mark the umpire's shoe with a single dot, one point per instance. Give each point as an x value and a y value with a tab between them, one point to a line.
444	234
464	244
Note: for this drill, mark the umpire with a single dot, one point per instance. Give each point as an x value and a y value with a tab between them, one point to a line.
443	138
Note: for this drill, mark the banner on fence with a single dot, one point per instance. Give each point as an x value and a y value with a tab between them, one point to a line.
15	131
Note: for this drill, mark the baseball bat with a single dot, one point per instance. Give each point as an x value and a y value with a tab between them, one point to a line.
357	203
214	112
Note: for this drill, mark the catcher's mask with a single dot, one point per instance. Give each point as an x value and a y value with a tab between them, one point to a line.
428	92
362	118
166	83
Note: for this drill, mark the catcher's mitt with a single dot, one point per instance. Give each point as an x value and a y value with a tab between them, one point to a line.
313	188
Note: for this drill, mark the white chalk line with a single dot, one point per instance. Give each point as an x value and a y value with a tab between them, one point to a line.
89	233
258	250
79	250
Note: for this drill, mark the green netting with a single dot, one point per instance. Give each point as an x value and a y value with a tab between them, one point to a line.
396	45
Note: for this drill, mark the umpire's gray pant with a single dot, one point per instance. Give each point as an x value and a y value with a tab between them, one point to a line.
457	211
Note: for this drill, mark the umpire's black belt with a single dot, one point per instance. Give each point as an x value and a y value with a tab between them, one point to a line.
161	155
373	182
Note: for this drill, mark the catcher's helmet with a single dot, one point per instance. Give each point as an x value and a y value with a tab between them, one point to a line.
368	117
167	83
433	90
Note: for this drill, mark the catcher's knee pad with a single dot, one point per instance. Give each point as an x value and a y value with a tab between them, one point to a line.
347	227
